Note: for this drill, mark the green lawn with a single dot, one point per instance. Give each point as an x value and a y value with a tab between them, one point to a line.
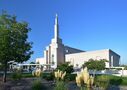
113	80
27	75
24	75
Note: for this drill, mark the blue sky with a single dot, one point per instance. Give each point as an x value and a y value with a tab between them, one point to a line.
84	24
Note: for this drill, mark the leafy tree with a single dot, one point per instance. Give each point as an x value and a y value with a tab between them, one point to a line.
95	64
1	67
31	67
14	45
32	62
37	62
125	66
66	67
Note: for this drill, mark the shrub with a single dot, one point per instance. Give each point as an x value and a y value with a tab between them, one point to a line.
70	77
66	67
48	76
37	85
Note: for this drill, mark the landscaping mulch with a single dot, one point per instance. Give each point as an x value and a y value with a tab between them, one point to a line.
23	84
26	84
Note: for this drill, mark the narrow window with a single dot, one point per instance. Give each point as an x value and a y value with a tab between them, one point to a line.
52	59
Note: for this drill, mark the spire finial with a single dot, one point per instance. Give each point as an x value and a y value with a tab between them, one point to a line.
56	28
56	19
56	15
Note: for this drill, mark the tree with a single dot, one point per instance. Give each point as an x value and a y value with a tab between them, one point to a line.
125	66
14	45
95	64
66	67
32	62
30	67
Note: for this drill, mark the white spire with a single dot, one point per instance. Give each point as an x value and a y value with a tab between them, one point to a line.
56	19
56	28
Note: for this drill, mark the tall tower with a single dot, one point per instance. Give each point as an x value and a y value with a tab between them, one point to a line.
54	53
56	31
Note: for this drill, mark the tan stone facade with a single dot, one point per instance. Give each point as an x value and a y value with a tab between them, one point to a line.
77	59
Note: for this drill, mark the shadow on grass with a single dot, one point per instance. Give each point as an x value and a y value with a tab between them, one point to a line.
113	82
116	81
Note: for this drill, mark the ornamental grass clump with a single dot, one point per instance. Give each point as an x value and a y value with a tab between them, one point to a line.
37	73
60	84
59	75
84	80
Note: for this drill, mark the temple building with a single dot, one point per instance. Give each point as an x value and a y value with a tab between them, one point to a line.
57	53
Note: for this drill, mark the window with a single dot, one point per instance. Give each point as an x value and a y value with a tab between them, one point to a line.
67	51
52	59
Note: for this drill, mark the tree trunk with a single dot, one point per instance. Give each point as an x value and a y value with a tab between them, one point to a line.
5	72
